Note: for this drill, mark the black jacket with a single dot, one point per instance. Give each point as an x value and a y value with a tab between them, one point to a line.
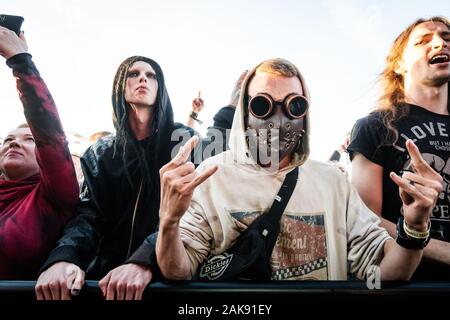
218	136
211	145
106	231
111	222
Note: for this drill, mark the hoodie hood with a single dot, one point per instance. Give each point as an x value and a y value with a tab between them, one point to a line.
238	144
162	123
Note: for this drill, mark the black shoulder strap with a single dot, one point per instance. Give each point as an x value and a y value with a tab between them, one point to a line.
283	196
270	221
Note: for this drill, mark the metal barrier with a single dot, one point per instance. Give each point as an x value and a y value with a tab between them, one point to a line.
189	289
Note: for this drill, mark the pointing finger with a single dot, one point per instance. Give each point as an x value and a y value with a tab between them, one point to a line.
201	178
417	161
181	157
185	151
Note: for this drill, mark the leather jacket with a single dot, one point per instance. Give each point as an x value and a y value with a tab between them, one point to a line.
114	217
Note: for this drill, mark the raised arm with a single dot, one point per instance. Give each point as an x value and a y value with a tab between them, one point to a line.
197	106
57	171
419	192
367	178
178	181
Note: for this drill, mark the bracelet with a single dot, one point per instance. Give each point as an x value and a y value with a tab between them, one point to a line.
194	115
416	234
409	242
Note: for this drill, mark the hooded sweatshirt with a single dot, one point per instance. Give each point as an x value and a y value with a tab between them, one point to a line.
33	211
326	230
119	205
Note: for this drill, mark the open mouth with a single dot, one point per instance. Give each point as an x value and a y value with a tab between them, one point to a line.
439	58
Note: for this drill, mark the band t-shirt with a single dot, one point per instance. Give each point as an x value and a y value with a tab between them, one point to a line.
430	132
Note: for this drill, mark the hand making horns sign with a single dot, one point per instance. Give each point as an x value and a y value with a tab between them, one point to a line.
419	190
178	182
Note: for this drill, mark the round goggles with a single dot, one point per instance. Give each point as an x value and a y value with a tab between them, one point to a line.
262	105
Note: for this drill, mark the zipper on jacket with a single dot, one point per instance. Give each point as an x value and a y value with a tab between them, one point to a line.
134	218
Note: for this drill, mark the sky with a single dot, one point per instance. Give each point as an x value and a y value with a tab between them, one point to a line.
339	46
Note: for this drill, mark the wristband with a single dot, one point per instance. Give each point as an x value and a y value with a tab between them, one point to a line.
194	115
416	234
409	242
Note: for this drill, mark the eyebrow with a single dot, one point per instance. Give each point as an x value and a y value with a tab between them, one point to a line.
441	33
137	70
423	35
13	136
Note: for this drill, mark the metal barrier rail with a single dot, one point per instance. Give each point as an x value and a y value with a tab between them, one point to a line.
91	290
185	300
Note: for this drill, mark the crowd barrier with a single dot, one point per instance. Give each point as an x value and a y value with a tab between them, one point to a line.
187	289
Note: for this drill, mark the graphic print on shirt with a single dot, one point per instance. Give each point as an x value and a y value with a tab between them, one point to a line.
440	212
433	141
300	252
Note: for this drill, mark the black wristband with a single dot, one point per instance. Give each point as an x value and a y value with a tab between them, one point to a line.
407	242
194	116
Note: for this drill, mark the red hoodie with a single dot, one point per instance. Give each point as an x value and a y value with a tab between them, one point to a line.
33	211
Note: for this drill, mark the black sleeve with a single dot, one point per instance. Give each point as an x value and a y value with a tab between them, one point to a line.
145	255
215	142
82	234
218	136
184	133
368	138
23	63
335	156
224	117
